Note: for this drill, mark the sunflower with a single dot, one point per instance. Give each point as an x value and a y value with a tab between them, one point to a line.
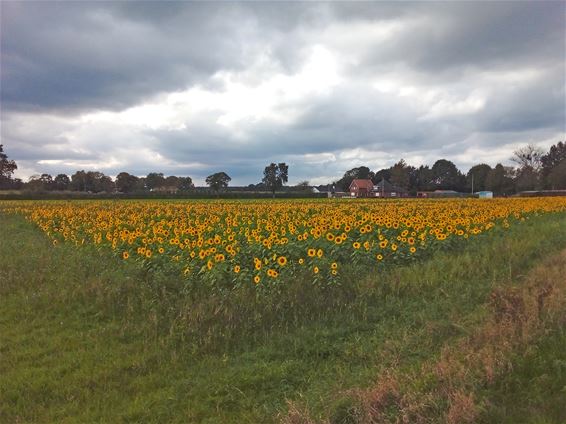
125	255
282	260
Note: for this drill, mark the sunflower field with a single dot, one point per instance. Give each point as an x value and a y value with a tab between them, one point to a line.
229	244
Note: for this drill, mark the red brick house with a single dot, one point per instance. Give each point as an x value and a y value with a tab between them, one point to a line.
361	188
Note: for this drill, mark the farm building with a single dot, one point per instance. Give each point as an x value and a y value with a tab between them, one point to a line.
361	188
366	188
385	189
485	194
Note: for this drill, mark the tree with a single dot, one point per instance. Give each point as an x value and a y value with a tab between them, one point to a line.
185	183
154	180
557	177
528	157
499	180
46	181
43	182
274	176
7	168
478	175
91	181
361	172
400	173
61	182
446	175
555	158
425	178
80	181
218	181
302	186
529	160
126	183
34	183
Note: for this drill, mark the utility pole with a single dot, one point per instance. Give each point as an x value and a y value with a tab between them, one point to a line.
472	184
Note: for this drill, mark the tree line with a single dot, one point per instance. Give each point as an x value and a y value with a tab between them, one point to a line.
274	177
534	170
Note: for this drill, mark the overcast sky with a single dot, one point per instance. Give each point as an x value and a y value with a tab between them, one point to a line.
196	88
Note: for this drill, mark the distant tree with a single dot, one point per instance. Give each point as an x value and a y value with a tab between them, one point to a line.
46	181
478	175
218	181
424	178
61	182
500	180
91	181
274	176
80	181
154	180
382	174
527	179
7	168
400	174
43	182
302	186
34	183
447	176
528	157
361	172
126	183
555	158
557	177
185	183
171	182
101	182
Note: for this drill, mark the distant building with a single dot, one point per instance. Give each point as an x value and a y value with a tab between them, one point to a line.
485	194
385	189
540	193
366	188
361	188
440	194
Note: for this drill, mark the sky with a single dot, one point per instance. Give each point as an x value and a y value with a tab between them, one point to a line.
189	88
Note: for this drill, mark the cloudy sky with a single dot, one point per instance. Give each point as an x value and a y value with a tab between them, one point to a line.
195	88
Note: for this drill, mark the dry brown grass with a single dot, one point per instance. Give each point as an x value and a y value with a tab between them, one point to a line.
444	389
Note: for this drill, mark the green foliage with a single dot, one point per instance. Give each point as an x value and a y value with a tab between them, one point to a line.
218	181
274	176
7	168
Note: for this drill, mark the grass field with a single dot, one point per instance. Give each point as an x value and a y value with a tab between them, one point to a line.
473	333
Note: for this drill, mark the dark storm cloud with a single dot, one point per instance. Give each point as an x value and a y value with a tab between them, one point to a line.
75	56
448	37
414	80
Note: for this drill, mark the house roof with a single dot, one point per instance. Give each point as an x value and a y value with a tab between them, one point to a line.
367	184
386	186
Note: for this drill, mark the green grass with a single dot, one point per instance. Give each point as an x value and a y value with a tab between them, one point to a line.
535	392
88	338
